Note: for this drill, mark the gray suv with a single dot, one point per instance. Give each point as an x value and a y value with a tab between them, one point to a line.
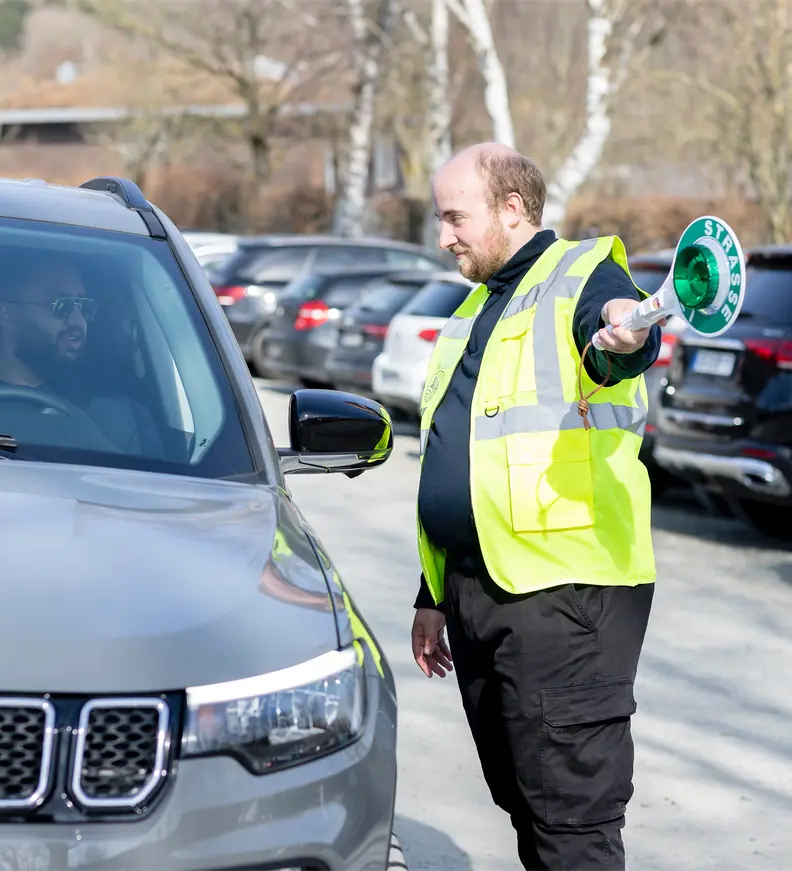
186	684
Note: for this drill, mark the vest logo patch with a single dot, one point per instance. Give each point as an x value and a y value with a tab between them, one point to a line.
432	387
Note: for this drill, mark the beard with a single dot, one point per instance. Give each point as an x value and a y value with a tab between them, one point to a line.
481	265
42	353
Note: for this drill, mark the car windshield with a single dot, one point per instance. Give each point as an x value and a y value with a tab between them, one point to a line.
105	358
386	297
438	299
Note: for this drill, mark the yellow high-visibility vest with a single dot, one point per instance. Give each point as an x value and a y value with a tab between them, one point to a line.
553	502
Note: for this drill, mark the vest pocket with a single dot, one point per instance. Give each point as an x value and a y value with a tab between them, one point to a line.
587	752
550	481
511	357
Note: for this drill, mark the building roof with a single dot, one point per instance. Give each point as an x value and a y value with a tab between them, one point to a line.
113	93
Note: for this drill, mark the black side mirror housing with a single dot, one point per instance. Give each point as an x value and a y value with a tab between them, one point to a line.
334	431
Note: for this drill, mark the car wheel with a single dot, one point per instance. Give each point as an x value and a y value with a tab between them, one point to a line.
661	482
315	384
772	521
257	359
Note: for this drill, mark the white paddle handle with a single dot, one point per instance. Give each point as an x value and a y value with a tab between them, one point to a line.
646	314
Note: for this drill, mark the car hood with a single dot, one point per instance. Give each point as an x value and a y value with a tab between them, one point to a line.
125	581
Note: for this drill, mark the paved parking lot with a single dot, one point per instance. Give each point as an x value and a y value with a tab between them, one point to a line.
714	723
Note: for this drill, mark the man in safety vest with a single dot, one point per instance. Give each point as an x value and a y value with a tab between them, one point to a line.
534	510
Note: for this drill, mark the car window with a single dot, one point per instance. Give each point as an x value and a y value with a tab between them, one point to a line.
126	373
339	293
438	299
768	291
409	260
648	279
305	286
337	256
386	297
272	265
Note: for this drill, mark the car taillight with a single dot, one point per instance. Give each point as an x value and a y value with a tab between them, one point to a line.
759	453
228	294
377	330
778	351
311	314
667	344
428	335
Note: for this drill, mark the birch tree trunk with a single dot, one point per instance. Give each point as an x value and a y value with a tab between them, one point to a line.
438	109
349	217
607	23
587	152
473	16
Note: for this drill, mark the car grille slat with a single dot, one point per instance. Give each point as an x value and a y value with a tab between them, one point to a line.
120	755
120	748
26	738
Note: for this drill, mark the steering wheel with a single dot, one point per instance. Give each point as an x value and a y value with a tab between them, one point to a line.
45	399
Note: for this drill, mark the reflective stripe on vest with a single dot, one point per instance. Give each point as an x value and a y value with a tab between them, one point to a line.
562	416
551	411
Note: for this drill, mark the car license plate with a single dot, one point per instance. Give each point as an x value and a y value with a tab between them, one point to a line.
390	375
351	340
713	363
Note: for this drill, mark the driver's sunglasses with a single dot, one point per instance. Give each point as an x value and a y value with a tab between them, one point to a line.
63	306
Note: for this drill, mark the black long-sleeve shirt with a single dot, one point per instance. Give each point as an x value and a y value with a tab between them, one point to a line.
444	502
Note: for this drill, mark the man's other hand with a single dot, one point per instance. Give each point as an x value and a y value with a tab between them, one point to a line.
428	642
621	341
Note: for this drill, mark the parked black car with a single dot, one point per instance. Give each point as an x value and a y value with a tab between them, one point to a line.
249	281
296	340
726	413
364	325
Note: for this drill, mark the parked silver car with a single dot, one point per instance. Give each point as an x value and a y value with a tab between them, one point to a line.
186	682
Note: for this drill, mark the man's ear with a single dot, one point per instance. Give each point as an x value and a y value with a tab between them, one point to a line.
514	208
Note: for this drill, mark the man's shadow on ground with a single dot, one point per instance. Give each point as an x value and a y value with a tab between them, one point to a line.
428	849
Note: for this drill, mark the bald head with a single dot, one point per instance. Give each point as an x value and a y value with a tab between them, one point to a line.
479	154
489	199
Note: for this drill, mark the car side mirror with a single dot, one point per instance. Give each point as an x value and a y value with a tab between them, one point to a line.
333	431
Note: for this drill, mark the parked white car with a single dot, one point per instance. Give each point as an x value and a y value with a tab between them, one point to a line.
399	372
210	249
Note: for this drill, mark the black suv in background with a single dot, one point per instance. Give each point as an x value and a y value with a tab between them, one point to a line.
726	412
249	282
296	341
364	325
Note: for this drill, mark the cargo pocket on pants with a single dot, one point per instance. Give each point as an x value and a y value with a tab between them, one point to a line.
587	752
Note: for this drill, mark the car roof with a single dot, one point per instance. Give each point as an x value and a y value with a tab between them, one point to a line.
422	276
299	240
34	199
780	249
450	276
665	257
332	273
648	259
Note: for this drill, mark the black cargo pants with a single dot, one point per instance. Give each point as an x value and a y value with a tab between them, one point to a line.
547	686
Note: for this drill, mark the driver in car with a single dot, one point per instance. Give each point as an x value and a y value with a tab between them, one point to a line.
45	314
44	317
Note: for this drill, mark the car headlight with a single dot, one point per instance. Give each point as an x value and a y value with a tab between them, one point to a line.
281	718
